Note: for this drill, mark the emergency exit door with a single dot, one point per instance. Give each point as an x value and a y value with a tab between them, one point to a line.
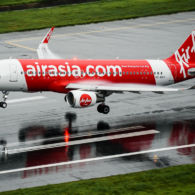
13	72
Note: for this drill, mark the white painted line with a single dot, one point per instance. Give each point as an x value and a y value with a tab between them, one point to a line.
83	141
26	99
97	159
80	135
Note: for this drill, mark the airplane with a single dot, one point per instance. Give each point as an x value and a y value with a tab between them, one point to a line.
88	82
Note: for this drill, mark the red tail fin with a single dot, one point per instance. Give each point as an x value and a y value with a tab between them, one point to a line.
185	55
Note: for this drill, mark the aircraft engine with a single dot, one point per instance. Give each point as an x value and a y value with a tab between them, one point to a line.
80	99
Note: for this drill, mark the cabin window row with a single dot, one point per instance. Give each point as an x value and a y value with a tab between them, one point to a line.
116	73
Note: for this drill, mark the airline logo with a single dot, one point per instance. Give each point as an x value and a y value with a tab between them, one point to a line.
72	70
85	100
185	54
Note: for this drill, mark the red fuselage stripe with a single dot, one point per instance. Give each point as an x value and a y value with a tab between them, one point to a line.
44	75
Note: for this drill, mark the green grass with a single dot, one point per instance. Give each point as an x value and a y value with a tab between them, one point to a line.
100	11
172	180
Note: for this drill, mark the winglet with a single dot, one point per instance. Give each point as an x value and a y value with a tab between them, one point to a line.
48	36
43	50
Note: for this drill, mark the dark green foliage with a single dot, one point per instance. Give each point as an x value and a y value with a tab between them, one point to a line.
46	2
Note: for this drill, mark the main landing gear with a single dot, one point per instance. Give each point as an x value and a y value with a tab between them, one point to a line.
3	103
102	108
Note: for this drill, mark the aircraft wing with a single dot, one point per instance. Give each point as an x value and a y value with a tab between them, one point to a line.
43	51
111	87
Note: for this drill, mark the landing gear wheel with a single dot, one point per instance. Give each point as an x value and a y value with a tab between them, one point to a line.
103	109
100	108
106	109
3	104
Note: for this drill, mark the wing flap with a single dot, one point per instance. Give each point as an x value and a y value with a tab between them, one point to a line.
122	87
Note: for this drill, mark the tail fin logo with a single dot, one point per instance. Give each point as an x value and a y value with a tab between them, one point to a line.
183	56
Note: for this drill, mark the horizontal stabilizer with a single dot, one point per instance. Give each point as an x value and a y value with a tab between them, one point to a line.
191	71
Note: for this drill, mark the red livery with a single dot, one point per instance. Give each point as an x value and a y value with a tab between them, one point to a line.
87	82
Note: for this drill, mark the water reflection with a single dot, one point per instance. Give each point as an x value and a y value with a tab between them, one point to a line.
183	134
172	133
49	133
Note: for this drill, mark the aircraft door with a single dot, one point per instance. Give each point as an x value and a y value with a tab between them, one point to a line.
13	72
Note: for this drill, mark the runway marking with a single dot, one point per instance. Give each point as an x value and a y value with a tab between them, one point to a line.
13	42
20	46
26	99
80	135
96	159
83	141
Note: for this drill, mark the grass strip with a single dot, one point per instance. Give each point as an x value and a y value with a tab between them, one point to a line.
171	180
99	11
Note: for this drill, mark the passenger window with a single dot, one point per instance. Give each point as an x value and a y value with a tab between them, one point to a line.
137	73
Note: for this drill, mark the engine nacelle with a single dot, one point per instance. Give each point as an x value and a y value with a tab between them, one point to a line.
80	99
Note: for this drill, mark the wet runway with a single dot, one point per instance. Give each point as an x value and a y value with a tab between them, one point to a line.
43	141
53	153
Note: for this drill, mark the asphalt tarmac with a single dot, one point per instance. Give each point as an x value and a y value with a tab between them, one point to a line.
43	141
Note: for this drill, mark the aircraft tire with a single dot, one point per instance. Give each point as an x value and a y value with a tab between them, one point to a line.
3	104
100	108
106	109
